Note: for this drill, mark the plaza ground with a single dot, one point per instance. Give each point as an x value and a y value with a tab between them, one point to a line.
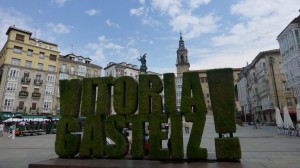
261	148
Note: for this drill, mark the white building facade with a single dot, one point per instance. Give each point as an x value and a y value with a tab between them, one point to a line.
289	42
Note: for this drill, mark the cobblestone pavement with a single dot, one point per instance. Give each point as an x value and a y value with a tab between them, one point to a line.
260	148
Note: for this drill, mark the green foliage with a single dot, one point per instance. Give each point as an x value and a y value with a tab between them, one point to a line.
125	95
176	136
170	93
70	94
113	128
228	148
67	144
221	89
193	149
94	140
138	134
156	136
104	94
192	95
149	88
88	97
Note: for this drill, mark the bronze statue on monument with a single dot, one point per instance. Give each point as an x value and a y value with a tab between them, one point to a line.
143	67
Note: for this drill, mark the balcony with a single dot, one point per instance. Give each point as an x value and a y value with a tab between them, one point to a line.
63	70
36	95
38	82
23	94
25	80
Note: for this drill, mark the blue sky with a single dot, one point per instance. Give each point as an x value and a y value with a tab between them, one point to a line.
217	34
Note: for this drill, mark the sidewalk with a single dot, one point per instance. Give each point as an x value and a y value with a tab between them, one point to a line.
261	148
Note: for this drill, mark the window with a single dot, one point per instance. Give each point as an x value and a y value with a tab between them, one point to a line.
297	35
63	68
14	72
49	91
20	37
63	76
29	52
289	102
33	106
42	55
52	57
15	61
81	70
28	64
17	50
51	68
26	75
38	77
72	71
24	88
21	105
50	78
8	104
40	66
96	73
36	90
47	106
11	86
88	72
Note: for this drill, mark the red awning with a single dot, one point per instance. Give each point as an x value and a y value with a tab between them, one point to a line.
291	111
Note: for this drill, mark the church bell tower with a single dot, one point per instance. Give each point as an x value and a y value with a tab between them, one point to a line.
182	62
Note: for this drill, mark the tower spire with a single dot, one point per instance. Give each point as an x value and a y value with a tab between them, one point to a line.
182	61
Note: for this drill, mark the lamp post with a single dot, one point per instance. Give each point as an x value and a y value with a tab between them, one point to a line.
272	61
249	106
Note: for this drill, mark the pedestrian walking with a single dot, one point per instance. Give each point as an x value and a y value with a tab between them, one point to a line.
170	146
186	127
258	124
12	130
1	129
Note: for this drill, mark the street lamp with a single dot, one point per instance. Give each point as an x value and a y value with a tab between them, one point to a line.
249	106
272	61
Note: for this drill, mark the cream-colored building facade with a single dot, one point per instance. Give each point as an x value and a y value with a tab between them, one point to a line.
72	66
30	70
28	73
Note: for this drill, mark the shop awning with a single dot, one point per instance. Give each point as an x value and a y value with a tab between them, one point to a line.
290	110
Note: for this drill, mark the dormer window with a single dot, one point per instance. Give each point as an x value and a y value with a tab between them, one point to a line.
20	37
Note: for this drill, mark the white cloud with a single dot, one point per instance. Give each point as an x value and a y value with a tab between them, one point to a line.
104	50
137	11
133	53
194	26
182	17
59	3
193	4
112	24
59	28
92	12
143	13
257	27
